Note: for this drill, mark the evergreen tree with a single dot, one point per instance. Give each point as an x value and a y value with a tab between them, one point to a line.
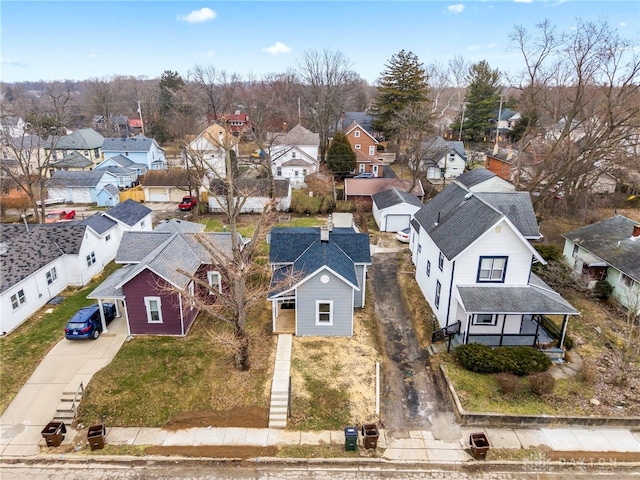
341	159
482	101
403	82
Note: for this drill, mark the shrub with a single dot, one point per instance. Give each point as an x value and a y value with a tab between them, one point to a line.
345	206
508	383
542	383
550	252
519	360
589	372
602	290
477	358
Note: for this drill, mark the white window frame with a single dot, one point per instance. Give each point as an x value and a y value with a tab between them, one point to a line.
107	238
330	312
147	304
52	276
626	281
210	275
356	133
91	259
357	146
489	319
372	149
18	299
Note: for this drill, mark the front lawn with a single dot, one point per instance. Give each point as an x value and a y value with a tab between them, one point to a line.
23	349
159	381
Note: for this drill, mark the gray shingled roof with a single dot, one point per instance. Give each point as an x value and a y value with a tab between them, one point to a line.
64	178
518	208
139	143
110	288
455	218
73	160
298	135
99	223
129	212
179	226
612	241
135	246
83	139
111	189
394	196
252	187
527	299
475	176
25	252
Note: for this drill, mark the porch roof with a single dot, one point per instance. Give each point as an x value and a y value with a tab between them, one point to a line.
527	299
591	260
109	289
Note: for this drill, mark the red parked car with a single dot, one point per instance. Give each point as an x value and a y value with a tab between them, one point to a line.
188	203
54	216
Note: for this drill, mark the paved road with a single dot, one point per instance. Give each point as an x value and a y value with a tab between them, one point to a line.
411	400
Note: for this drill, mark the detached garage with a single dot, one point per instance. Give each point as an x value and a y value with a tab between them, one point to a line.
394	208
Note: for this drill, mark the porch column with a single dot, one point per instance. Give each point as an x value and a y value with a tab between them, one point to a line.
102	319
274	315
565	322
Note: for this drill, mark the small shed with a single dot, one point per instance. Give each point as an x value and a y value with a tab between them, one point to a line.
108	196
393	209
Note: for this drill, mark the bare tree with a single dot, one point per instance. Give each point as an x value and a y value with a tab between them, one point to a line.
329	82
582	90
216	91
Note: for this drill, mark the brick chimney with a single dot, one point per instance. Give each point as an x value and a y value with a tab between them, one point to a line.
636	231
324	234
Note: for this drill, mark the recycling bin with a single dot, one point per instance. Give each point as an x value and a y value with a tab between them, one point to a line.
479	445
370	435
350	438
95	436
53	433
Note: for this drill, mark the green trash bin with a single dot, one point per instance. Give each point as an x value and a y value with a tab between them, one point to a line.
351	439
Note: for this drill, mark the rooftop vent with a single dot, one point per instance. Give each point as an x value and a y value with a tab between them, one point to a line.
324	233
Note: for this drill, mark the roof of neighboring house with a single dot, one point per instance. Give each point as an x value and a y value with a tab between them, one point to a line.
128	212
436	148
456	218
24	252
355	125
180	226
111	189
83	139
70	179
361	118
252	187
371	186
122	161
139	143
135	123
118	171
474	177
27	142
73	160
301	253
175	177
298	135
611	240
99	222
394	196
173	256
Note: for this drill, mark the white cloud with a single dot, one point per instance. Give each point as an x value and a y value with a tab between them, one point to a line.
523	1
457	8
208	54
13	63
276	49
197	16
623	24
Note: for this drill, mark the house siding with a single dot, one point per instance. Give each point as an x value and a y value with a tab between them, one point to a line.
148	284
343	302
359	296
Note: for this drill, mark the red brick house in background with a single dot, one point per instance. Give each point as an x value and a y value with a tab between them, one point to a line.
365	146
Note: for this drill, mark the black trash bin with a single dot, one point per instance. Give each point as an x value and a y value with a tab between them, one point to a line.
479	445
370	435
350	438
95	436
53	433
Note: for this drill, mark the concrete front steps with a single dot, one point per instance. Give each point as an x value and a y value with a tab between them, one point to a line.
66	410
278	410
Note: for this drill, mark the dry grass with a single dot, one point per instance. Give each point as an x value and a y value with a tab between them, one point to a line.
419	309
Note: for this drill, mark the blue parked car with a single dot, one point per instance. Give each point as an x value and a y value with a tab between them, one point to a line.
86	322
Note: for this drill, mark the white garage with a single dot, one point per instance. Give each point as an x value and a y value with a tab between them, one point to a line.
393	209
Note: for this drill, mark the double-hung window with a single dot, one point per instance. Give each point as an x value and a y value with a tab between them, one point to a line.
52	276
154	309
214	282
18	299
428	268
441	261
91	259
438	291
324	312
492	269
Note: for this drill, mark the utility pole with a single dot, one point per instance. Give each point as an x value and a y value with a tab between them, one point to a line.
498	122
464	107
140	114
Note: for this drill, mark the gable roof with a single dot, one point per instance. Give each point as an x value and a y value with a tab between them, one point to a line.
361	118
301	253
436	148
298	135
180	226
70	179
24	252
371	186
73	160
122	161
128	212
611	240
394	196
518	208
456	218
473	177
175	177
99	222
111	189
139	143
355	125
83	139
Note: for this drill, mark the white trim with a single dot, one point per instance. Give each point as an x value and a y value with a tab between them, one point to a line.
147	304
210	275
330	322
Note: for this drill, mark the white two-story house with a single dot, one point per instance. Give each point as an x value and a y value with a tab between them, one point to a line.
294	155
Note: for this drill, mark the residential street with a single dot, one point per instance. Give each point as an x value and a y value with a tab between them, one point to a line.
410	398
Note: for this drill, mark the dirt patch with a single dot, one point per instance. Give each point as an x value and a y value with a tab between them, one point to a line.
214	452
251	417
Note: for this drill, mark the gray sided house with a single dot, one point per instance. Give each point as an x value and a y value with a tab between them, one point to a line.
139	149
393	209
318	278
608	250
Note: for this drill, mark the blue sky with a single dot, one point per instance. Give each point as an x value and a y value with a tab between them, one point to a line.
51	40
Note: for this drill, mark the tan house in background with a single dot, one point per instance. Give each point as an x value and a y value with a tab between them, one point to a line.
365	147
